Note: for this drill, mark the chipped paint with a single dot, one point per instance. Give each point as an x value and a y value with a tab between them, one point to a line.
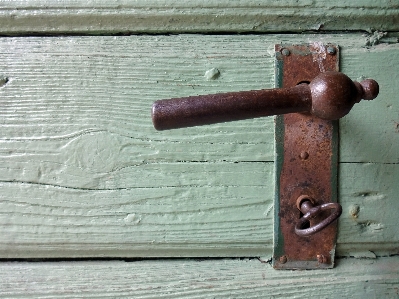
319	54
212	74
374	37
354	211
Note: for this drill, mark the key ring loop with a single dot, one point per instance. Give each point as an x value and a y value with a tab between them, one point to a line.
312	211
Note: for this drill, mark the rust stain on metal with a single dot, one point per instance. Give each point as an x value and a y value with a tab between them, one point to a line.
231	106
311	176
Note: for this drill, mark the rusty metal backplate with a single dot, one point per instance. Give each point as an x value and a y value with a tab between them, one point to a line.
306	161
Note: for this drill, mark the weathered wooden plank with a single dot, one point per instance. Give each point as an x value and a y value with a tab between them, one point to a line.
370	133
154	16
198	210
214	210
352	278
43	78
369	198
83	173
79	92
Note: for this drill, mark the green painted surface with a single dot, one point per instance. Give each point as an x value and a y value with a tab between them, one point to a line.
84	173
155	16
352	278
369	219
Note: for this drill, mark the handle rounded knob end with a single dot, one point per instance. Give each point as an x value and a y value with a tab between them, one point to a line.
334	94
370	89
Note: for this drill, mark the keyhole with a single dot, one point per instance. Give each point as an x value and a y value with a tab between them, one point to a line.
303	82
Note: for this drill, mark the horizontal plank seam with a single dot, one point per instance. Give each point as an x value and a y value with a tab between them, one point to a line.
360	257
111	33
263	259
374	163
134	260
184	5
14	182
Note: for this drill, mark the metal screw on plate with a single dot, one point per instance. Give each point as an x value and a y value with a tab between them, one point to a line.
285	52
322	259
304	155
331	50
283	259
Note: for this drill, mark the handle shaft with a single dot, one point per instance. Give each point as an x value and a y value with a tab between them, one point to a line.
223	107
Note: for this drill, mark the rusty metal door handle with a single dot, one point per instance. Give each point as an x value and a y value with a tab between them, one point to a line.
313	213
315	94
330	95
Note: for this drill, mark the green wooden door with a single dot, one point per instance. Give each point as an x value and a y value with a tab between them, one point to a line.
85	176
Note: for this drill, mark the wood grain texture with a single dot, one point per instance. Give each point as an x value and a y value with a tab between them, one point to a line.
352	278
86	168
84	174
369	221
155	16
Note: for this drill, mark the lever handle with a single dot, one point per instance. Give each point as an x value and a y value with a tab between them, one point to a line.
330	95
